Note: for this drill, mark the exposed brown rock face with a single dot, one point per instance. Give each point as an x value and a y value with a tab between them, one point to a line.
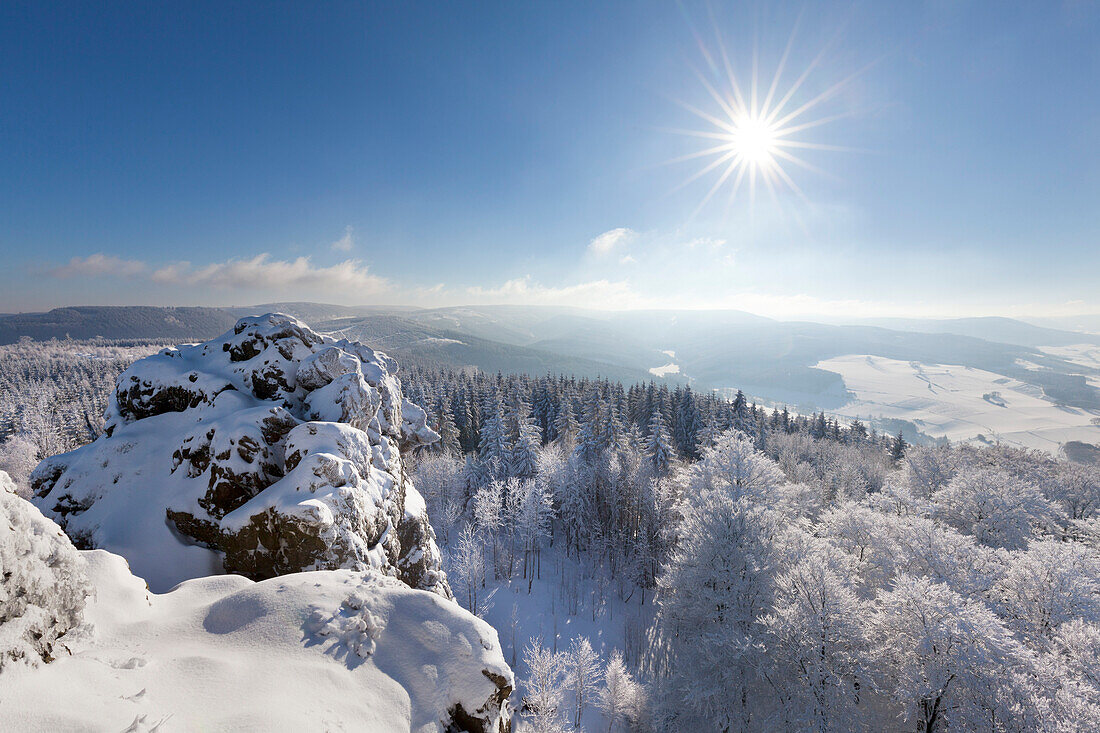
488	718
277	447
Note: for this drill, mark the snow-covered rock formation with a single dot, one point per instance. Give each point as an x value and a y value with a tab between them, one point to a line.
275	454
268	450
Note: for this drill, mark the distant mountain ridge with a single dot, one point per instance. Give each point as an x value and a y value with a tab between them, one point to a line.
710	349
116	322
1005	330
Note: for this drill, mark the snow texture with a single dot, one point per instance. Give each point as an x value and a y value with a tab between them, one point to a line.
322	650
268	450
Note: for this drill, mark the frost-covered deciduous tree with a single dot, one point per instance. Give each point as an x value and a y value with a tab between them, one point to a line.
1047	585
18	457
817	642
947	659
996	508
621	696
886	545
582	665
467	564
1077	489
439	477
733	465
536	510
546	679
43	581
708	644
488	504
1071	676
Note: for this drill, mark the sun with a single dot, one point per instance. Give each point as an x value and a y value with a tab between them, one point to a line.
753	136
754	140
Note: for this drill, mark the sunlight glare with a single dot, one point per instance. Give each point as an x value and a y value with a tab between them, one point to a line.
752	138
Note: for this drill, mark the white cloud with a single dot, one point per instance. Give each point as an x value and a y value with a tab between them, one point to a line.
99	265
602	294
610	240
346	242
173	273
627	260
261	272
708	242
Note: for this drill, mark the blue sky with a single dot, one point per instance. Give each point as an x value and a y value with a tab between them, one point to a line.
445	153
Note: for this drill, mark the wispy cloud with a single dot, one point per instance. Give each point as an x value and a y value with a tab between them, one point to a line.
262	272
595	294
99	265
611	240
346	242
711	243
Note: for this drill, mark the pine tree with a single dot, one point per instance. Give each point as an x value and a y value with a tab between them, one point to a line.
588	447
819	427
544	411
448	431
858	431
686	426
659	445
493	446
897	447
739	404
565	425
522	437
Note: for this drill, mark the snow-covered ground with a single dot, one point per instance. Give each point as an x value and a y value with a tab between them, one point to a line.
326	650
961	403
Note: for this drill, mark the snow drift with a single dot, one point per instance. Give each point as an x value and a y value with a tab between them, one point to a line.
268	450
323	650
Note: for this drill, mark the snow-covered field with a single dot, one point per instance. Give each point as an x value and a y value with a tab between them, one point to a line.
961	403
1087	355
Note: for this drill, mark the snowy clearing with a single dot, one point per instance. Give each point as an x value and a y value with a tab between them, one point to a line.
570	600
959	403
436	340
664	371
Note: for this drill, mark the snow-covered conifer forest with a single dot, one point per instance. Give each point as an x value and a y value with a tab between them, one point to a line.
649	559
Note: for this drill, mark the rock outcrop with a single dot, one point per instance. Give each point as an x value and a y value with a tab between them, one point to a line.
275	447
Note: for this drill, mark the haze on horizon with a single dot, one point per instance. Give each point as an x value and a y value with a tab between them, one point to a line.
948	157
